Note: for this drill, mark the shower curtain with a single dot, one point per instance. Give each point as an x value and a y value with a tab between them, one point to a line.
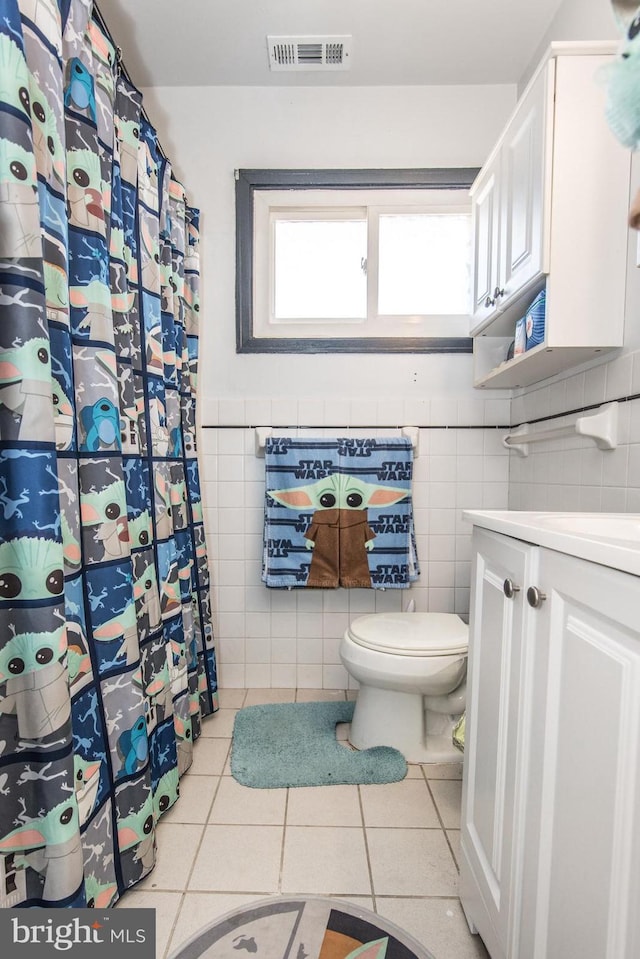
106	646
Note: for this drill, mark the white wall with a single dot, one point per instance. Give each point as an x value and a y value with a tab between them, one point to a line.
575	20
214	130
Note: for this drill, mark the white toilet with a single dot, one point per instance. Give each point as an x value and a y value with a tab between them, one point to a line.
411	668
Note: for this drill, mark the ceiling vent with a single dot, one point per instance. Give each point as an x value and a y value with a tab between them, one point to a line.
309	53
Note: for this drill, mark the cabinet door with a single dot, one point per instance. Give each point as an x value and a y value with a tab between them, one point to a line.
486	230
524	233
498	668
584	854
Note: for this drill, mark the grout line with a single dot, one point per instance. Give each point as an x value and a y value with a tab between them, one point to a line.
183	891
366	850
168	947
193	861
284	836
392	895
310	825
440	820
406	828
204	826
227	758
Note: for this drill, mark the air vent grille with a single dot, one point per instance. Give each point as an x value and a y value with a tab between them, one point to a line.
309	53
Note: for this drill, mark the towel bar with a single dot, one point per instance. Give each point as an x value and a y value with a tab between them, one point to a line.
262	433
601	427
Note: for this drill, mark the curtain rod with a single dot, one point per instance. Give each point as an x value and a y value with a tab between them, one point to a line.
122	69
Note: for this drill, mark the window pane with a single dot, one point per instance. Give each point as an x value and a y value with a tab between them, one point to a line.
318	270
424	264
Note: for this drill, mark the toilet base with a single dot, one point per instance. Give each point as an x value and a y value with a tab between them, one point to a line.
387	717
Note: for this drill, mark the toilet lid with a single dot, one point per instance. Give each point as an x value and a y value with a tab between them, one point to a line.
412	634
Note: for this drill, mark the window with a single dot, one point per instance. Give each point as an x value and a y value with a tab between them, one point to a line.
353	261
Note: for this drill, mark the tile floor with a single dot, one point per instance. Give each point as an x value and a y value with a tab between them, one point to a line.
391	848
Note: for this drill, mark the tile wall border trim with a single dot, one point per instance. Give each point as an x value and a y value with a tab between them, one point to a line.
378	426
577	409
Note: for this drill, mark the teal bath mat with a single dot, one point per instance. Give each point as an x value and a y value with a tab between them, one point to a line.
294	744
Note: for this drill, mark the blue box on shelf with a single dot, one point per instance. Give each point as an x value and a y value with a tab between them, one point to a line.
534	321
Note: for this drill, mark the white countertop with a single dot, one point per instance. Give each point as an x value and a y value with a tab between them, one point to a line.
611	539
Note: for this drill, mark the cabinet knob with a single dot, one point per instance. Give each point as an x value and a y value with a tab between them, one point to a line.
535	597
489	302
497	293
510	589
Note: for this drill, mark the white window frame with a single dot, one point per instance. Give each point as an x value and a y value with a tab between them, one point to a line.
269	205
263	195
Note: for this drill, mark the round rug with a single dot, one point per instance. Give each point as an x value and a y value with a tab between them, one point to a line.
307	927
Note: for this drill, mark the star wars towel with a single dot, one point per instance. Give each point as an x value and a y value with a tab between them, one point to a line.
338	512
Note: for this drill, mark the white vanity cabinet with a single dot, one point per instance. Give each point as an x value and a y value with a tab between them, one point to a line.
550	210
550	834
498	652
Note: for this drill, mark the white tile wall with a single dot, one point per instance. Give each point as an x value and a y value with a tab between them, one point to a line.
572	473
288	639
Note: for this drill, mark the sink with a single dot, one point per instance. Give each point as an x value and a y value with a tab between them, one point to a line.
610	539
603	526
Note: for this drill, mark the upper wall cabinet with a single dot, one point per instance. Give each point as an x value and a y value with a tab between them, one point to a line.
550	211
507	206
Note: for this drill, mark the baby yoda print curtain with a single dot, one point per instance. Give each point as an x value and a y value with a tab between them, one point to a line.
106	648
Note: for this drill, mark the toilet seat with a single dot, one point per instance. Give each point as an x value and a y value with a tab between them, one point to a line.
411	634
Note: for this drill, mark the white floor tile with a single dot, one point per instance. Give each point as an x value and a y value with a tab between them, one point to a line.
200	909
406	803
438	924
411	862
231	698
238	859
238	804
194	802
365	901
220	725
176	847
166	905
448	796
443	770
414	771
209	756
324	806
323	860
